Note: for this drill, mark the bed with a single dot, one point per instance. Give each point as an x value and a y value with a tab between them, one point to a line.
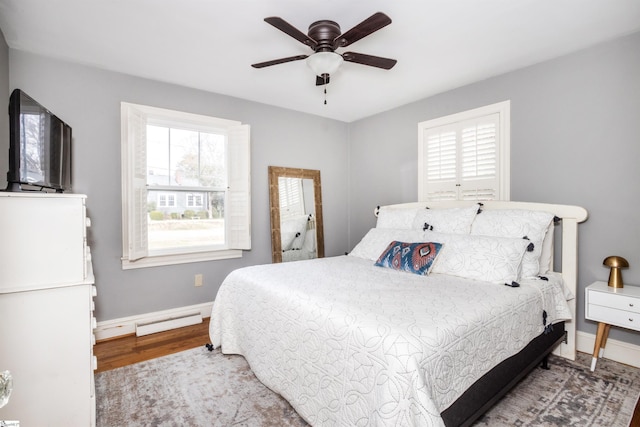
349	342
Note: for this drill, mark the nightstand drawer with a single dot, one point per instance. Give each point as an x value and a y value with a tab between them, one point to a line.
625	319
616	301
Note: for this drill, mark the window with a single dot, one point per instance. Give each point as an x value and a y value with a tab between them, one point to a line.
465	156
194	200
185	187
166	200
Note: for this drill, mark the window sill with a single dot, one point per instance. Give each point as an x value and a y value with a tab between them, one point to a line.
161	260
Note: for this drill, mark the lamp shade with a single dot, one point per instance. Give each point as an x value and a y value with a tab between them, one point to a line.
324	62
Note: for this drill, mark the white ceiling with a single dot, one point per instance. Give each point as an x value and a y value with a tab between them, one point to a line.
210	44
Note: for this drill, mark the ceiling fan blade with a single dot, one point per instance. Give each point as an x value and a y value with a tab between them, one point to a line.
278	61
371	24
290	30
321	80
373	61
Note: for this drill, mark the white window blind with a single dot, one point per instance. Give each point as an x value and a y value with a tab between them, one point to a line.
134	189
479	159
239	202
291	197
441	162
465	156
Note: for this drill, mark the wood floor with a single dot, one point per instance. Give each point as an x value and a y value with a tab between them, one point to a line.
118	352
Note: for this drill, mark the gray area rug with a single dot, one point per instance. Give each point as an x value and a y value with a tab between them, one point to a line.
201	388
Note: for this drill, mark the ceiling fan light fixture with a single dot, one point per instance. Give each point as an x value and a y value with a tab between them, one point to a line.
324	62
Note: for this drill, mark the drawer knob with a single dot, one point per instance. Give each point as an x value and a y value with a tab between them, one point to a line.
630	304
630	319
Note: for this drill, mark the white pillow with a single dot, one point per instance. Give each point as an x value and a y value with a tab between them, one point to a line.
377	239
485	258
516	223
286	239
398	219
451	220
546	257
293	231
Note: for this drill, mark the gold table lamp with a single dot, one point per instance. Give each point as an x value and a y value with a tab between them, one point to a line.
615	275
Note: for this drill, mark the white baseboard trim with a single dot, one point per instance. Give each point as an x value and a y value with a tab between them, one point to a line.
618	351
168	324
127	325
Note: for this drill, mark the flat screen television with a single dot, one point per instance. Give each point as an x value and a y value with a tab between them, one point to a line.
39	147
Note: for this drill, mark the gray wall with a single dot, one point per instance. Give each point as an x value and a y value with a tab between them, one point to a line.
575	123
89	100
4	118
574	136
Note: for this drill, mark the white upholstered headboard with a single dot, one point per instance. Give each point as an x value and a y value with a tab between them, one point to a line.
570	217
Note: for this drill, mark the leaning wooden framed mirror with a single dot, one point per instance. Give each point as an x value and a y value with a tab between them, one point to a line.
295	198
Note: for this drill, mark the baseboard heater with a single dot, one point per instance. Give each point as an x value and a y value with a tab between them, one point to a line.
167	324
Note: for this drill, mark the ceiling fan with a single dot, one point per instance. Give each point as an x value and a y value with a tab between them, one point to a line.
324	37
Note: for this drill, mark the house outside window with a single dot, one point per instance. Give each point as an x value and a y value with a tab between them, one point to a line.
185	187
465	156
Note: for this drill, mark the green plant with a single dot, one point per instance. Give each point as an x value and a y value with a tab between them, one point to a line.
156	215
188	214
203	214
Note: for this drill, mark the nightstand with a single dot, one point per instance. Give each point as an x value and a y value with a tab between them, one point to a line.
611	307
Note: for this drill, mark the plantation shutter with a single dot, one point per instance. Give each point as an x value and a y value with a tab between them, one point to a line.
239	196
441	163
291	197
136	140
465	156
478	176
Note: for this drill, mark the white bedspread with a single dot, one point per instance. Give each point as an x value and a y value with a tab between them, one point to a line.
350	344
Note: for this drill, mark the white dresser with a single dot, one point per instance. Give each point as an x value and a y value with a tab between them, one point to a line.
46	309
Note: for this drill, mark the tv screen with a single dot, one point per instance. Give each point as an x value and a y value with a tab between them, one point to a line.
39	147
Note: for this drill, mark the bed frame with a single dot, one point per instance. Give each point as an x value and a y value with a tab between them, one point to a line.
485	392
493	385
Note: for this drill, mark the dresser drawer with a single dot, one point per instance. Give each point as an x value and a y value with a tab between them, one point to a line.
612	316
43	241
616	301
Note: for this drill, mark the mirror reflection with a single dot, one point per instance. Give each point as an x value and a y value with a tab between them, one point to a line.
296	214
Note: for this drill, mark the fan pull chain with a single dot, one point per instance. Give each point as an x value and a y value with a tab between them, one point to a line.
324	76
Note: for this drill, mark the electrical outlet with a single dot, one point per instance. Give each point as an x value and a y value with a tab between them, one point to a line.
198	280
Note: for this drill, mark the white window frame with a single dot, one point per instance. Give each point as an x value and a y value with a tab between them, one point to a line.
134	119
503	110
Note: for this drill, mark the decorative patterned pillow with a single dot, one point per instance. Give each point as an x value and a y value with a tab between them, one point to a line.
485	258
416	258
452	220
377	239
398	219
521	223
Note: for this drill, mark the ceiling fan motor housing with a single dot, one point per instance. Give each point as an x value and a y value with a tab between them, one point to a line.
324	33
